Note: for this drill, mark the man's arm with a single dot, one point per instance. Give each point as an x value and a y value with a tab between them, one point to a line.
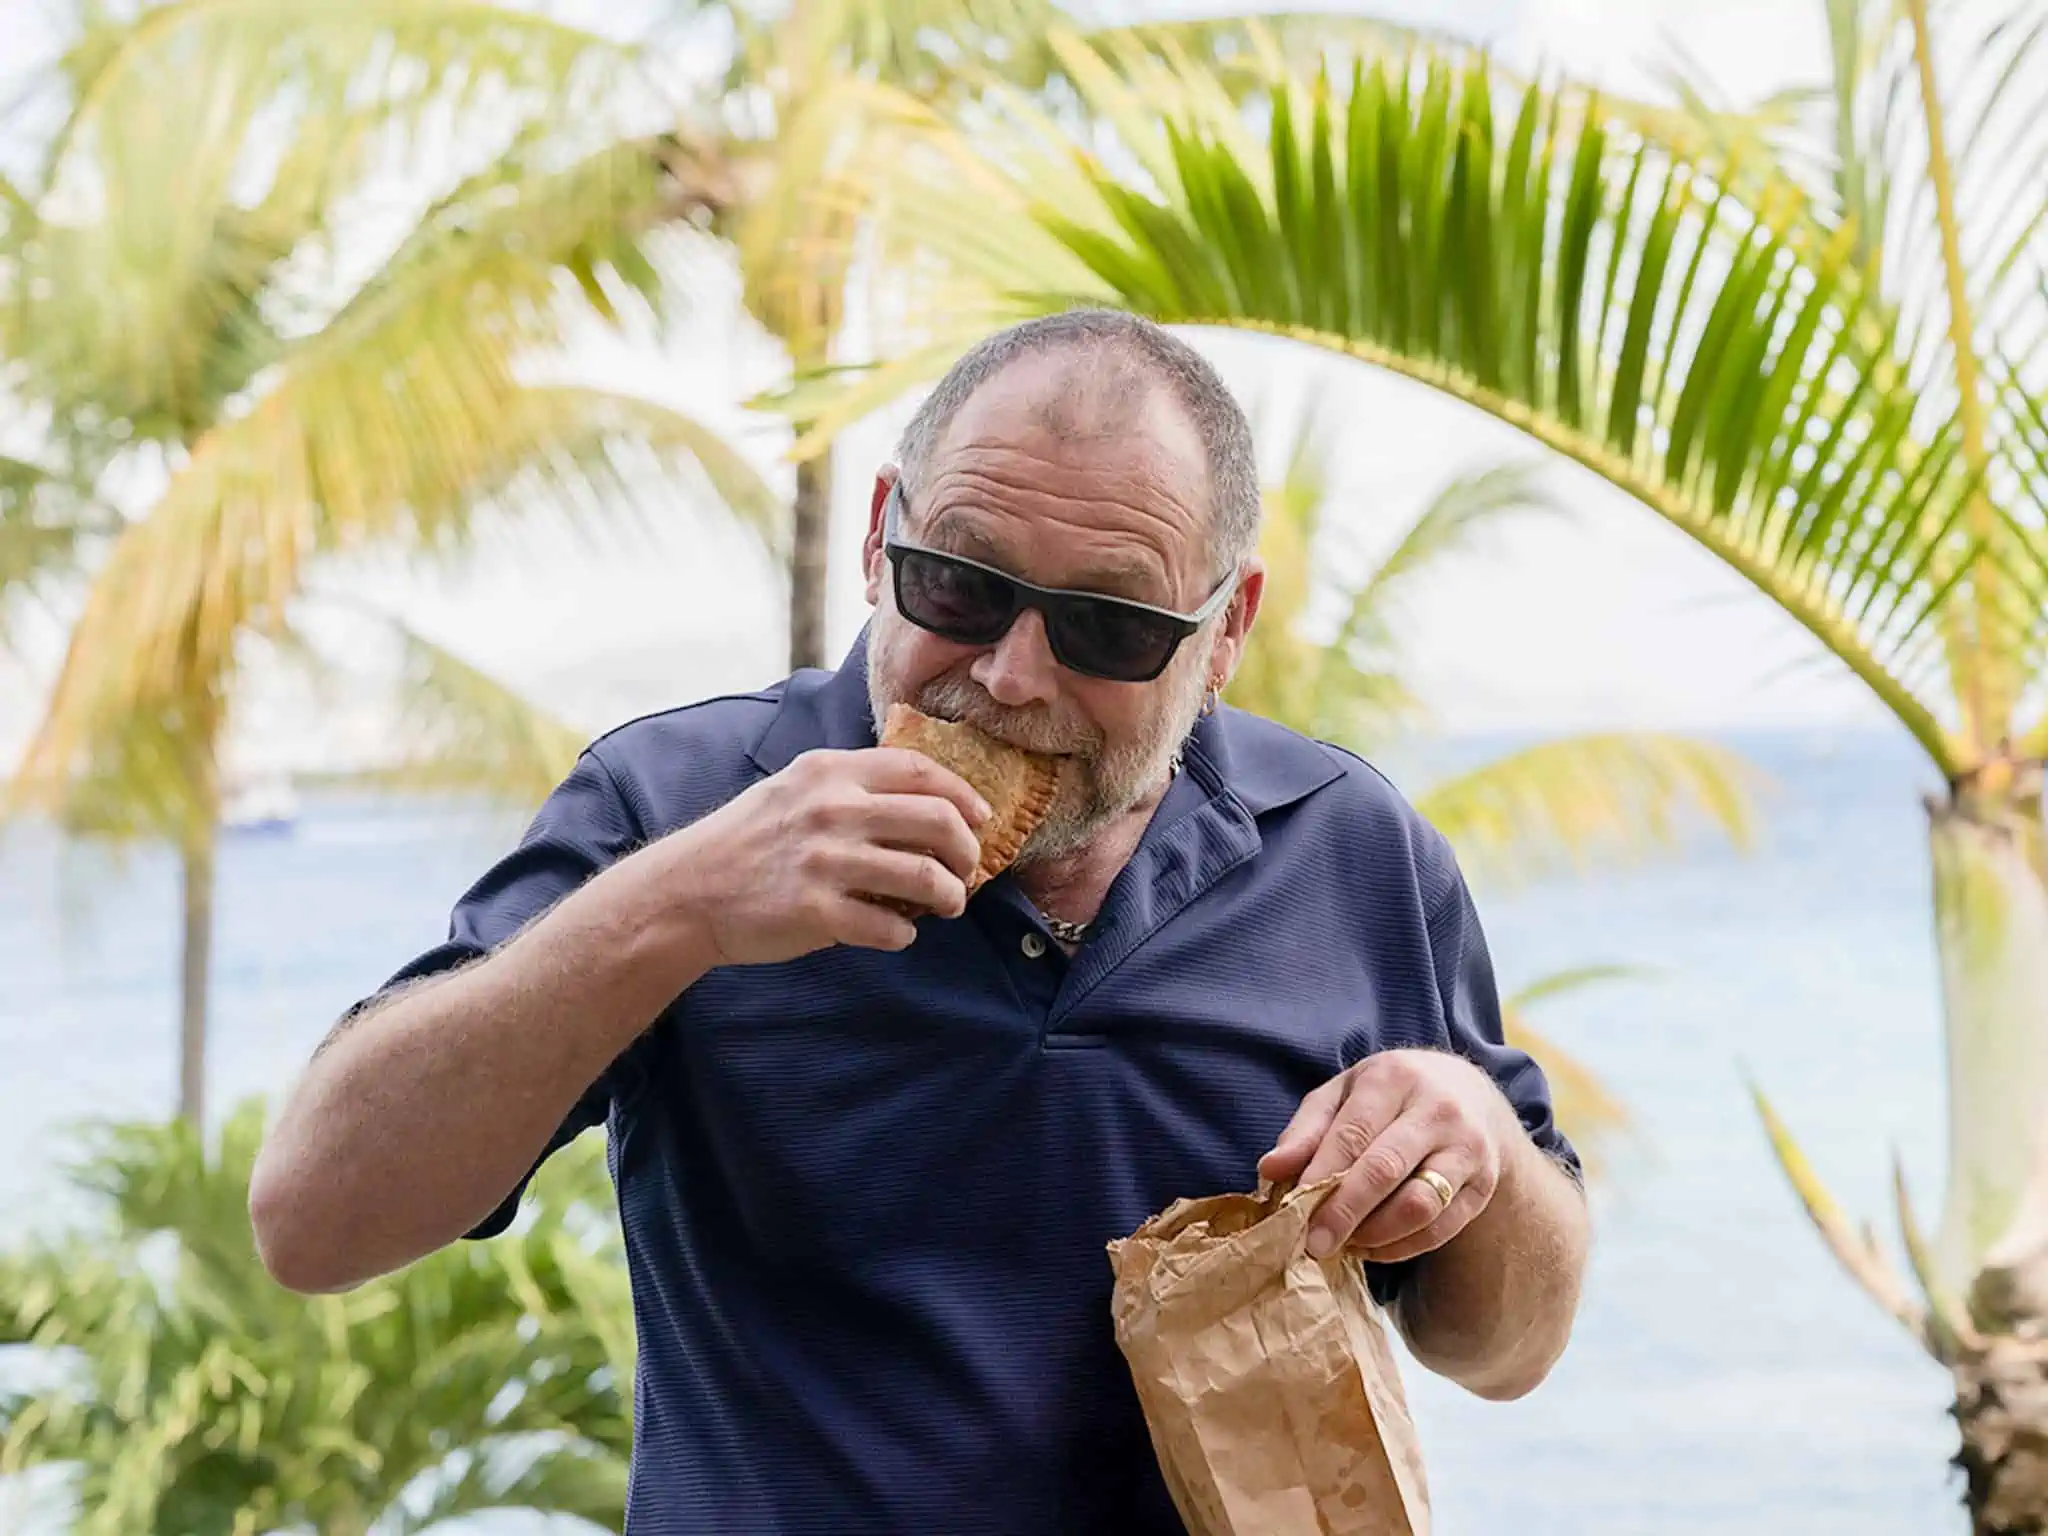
1493	1289
1493	1308
418	1116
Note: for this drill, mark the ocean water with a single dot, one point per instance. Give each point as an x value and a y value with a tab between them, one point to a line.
1725	1377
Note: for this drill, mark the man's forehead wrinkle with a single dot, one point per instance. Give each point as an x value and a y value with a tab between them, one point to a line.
1127	509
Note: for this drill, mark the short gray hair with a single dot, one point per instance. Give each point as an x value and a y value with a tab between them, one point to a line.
1153	355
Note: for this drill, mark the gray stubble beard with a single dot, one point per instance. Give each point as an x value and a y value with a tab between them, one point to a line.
1098	785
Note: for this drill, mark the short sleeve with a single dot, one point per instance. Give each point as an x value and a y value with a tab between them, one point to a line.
584	825
1472	1015
1472	1019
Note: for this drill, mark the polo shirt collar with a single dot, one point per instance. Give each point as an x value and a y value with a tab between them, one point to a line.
1232	756
820	709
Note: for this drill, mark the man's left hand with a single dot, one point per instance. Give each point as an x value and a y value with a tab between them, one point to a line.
1383	1123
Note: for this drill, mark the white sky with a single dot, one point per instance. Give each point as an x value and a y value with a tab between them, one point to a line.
1611	619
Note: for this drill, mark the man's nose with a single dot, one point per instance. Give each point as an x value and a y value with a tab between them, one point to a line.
1019	669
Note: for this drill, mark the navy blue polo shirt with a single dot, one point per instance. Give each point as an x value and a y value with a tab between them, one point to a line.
865	1195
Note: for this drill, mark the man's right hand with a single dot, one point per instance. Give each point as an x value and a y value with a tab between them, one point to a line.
411	1130
794	863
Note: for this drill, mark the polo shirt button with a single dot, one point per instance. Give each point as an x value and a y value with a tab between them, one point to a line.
1033	946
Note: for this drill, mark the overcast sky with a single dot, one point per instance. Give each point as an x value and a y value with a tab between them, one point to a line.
1611	619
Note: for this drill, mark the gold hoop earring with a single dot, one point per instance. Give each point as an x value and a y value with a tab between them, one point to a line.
1210	700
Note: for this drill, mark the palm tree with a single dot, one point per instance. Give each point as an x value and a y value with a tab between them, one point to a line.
252	357
217	338
1555	808
807	86
200	1396
1818	354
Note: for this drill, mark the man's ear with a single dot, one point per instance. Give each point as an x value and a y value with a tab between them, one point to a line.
871	557
1235	631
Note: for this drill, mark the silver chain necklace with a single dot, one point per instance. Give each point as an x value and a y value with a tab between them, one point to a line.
1077	933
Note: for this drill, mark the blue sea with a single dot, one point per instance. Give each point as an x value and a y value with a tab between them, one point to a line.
1725	1379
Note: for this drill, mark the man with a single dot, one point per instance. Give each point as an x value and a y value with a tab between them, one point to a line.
867	1167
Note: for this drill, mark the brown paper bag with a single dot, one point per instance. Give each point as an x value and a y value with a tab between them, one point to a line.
1273	1400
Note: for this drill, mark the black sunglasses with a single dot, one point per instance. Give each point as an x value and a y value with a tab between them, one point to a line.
974	604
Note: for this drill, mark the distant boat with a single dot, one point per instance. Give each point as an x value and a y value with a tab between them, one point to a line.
264	805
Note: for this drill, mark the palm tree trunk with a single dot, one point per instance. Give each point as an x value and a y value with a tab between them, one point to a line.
810	539
1991	914
1991	932
195	974
2002	1411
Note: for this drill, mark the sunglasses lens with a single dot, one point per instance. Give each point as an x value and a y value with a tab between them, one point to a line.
964	604
1113	641
972	606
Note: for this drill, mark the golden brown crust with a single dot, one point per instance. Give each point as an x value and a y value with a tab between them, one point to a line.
1019	786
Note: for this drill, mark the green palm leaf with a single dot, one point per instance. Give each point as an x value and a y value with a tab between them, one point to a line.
1528	256
1856	1249
205	1397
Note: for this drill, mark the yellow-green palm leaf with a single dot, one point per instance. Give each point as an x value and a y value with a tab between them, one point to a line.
227	545
181	223
1587	1110
47	518
458	729
1565	806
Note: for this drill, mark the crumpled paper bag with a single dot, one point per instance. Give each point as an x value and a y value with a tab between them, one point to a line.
1272	1397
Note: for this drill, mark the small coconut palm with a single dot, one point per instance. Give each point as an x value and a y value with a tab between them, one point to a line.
234	377
180	1389
1810	337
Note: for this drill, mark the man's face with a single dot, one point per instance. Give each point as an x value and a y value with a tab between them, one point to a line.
1123	513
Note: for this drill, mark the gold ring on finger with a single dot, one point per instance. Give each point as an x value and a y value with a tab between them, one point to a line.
1445	1189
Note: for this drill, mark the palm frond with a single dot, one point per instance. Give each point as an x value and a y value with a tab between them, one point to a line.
922	46
575	1481
207	186
1351	692
462	731
794	248
1865	118
2023	449
1347	682
1856	1251
46	523
152	302
447	54
2000	150
1466	508
1574	803
1529	257
228	545
143	774
1242	50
